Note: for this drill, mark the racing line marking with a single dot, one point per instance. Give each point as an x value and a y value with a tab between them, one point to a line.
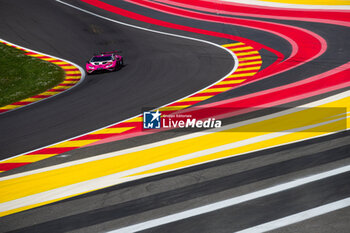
244	198
295	218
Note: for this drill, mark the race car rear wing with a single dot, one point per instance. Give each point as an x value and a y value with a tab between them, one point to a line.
111	52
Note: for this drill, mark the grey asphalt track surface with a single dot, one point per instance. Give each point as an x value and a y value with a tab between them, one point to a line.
169	193
156	73
158	70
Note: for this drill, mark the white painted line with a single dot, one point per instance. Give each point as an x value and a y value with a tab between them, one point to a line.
295	218
289	5
229	202
31	50
120	177
144	29
198	134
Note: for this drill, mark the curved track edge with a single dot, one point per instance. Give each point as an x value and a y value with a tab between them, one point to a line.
74	75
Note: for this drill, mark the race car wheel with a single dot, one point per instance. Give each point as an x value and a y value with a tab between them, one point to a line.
120	64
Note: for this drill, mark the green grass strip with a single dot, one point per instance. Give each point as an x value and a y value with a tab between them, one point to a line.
22	76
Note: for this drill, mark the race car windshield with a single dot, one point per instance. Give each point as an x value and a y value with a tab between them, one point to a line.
104	58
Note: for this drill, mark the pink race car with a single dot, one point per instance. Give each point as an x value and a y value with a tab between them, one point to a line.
110	61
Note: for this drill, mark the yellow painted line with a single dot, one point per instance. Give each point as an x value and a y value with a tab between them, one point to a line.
196	98
249	58
135	119
74	78
68	82
72	72
232	45
250	63
36	55
19	187
77	143
247	53
50	93
28	158
58	87
173	108
31	206
231	81
112	130
241	75
311	2
248	148
10	106
211	90
242	48
32	99
248	69
60	63
48	59
69	67
23	186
